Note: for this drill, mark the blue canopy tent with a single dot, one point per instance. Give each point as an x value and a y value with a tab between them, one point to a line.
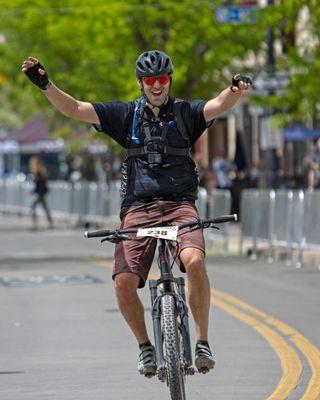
299	133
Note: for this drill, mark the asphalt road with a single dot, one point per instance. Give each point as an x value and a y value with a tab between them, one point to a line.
62	337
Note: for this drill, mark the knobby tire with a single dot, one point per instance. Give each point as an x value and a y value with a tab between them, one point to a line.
171	341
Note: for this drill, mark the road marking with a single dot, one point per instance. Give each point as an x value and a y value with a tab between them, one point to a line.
311	352
290	362
291	365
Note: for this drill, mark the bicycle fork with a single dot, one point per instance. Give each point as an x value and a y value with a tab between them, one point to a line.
156	321
184	327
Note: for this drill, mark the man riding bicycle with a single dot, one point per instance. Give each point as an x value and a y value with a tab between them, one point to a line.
159	184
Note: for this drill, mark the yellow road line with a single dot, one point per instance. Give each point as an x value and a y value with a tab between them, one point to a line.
290	362
311	352
291	365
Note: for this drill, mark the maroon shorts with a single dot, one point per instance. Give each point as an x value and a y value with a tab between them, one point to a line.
137	257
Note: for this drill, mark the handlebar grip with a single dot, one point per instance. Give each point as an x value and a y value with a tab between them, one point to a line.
226	218
96	234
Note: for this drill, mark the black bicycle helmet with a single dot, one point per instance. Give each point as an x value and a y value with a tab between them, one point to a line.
153	63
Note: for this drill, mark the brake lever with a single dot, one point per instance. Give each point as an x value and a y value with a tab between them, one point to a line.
111	238
116	238
195	227
204	225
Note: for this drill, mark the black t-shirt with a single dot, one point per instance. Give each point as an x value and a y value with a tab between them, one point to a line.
176	178
40	185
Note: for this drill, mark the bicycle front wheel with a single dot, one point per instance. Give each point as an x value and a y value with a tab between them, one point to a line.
175	377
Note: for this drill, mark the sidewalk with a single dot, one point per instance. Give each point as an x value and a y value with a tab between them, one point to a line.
22	226
63	242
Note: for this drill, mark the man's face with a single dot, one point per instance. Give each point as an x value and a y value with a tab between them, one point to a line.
156	88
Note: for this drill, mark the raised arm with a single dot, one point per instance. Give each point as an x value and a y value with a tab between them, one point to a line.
68	105
227	98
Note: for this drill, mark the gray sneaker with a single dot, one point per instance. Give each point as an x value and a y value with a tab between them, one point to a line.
147	361
203	359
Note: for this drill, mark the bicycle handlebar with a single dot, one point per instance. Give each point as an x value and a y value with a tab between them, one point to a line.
103	233
121	234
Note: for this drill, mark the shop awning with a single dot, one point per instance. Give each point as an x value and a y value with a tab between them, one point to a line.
297	133
34	137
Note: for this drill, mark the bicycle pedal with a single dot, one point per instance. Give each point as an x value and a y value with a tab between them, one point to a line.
149	375
204	370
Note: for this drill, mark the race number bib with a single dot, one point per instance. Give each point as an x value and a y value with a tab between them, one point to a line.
159	232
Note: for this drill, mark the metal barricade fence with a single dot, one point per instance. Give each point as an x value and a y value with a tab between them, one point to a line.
286	218
14	197
210	206
283	209
59	197
202	203
249	218
114	198
27	196
94	199
80	201
280	218
90	201
311	227
2	193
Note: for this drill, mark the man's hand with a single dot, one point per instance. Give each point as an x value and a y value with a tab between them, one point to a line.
36	72
240	83
227	98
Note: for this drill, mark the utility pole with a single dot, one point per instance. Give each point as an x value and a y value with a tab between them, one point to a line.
270	47
271	156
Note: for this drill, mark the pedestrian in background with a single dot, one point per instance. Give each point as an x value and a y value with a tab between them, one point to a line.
39	175
224	170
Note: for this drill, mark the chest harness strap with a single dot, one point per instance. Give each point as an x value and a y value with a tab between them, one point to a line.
156	146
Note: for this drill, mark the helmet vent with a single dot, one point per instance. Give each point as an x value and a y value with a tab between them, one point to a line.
153	63
140	65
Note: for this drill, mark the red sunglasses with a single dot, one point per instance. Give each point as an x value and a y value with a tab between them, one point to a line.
151	80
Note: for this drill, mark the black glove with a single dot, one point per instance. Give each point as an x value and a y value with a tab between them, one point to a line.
245	79
35	77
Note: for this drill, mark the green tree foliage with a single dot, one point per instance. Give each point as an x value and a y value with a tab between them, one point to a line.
89	48
296	25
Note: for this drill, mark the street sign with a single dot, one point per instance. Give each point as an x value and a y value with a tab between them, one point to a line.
269	83
235	14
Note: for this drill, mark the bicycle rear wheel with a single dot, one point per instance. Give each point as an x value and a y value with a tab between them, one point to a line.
175	377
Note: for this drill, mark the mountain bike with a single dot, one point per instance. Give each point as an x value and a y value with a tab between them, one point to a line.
169	307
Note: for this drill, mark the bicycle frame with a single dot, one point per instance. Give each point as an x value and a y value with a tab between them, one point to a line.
168	300
168	284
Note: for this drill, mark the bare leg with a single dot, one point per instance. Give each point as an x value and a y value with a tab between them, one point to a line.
46	209
33	212
126	285
199	290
